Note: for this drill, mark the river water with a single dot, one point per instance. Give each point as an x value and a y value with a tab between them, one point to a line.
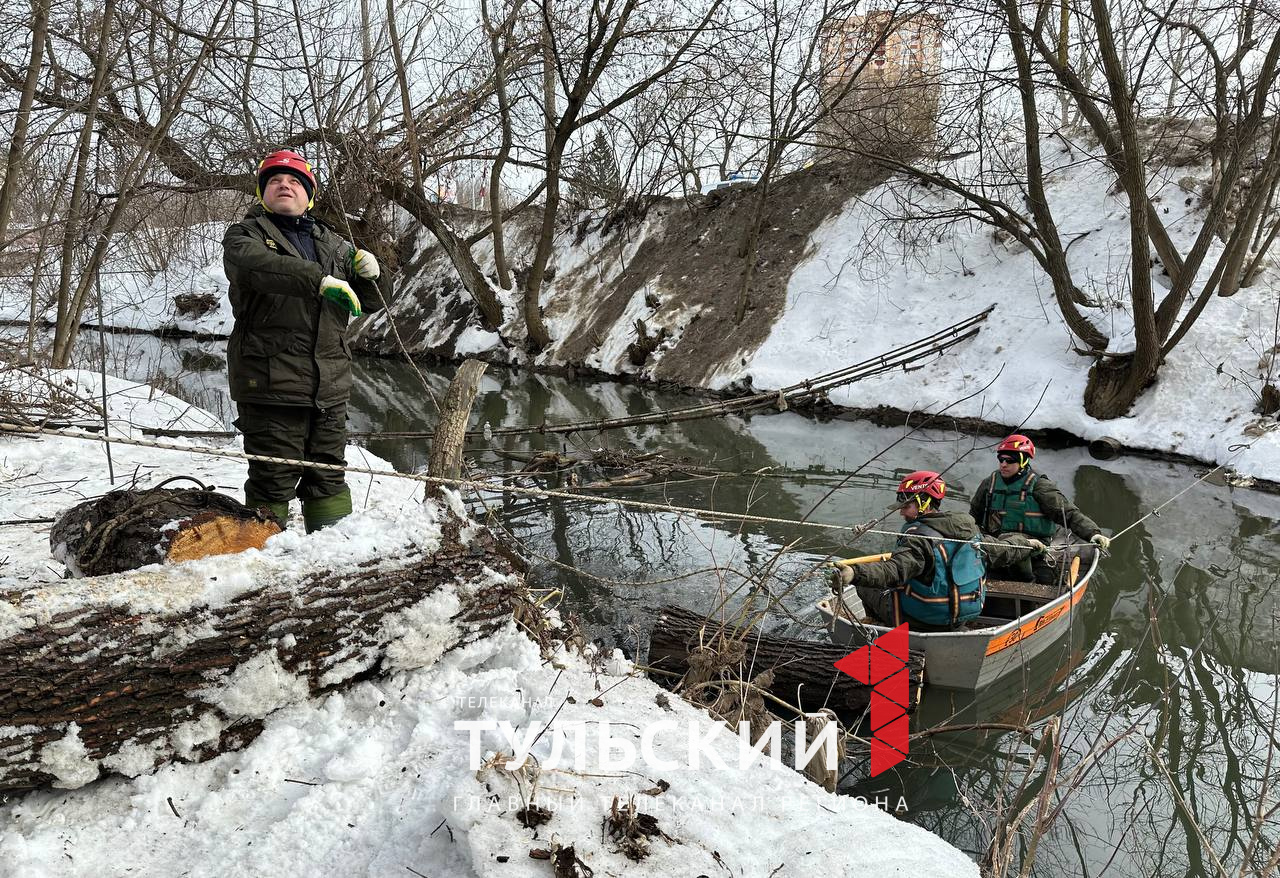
1163	700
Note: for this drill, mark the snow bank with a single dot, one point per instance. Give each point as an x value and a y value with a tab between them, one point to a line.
75	396
41	477
848	301
376	780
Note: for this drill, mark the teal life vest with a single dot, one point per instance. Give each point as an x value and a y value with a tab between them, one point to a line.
1012	507
959	581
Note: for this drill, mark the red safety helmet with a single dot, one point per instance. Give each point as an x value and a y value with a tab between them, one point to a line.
1018	444
289	162
923	486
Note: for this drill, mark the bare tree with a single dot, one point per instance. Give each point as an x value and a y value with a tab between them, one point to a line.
1237	99
608	38
13	162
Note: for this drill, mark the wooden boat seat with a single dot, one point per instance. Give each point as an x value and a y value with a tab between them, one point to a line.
1027	590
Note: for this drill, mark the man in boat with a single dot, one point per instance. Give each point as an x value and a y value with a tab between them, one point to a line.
936	576
294	285
1017	500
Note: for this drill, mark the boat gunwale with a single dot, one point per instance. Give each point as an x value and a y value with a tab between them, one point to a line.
991	633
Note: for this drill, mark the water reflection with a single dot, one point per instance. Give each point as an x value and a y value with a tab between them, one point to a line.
1166	689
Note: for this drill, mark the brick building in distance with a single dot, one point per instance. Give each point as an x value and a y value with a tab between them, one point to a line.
880	76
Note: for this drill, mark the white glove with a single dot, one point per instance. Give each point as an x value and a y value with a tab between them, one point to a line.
1101	541
1036	546
365	264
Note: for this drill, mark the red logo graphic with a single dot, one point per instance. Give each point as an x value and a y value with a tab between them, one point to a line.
883	664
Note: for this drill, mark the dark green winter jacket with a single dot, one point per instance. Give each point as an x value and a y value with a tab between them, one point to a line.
913	555
288	345
1048	501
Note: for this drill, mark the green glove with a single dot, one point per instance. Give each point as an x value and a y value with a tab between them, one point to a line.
365	264
338	290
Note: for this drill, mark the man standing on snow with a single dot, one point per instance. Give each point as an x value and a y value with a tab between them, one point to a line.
1015	499
294	285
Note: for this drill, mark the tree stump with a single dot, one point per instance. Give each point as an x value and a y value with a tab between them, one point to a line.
803	671
446	444
125	530
122	673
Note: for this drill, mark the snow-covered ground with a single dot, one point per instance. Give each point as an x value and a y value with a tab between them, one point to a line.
843	309
377	779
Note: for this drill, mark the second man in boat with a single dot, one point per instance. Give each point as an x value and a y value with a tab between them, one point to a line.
1016	499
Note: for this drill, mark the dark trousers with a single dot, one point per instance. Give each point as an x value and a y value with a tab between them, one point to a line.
298	433
882	606
1037	569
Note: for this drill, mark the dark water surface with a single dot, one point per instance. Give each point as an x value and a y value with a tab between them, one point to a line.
1164	699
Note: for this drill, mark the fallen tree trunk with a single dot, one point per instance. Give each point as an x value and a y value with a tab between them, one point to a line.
803	672
122	673
125	530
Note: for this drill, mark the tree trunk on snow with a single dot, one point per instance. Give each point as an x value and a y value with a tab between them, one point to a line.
125	530
455	411
536	335
683	640
1113	386
556	136
1065	291
499	38
106	675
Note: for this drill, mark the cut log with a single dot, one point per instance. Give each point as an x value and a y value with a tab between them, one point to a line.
125	530
803	670
122	673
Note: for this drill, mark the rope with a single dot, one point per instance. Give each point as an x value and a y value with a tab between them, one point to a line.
550	493
645	505
1156	511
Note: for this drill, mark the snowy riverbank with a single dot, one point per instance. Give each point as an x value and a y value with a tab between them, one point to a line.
863	283
377	779
852	290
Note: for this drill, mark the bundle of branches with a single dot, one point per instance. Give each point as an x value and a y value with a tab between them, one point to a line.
121	673
618	468
798	672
